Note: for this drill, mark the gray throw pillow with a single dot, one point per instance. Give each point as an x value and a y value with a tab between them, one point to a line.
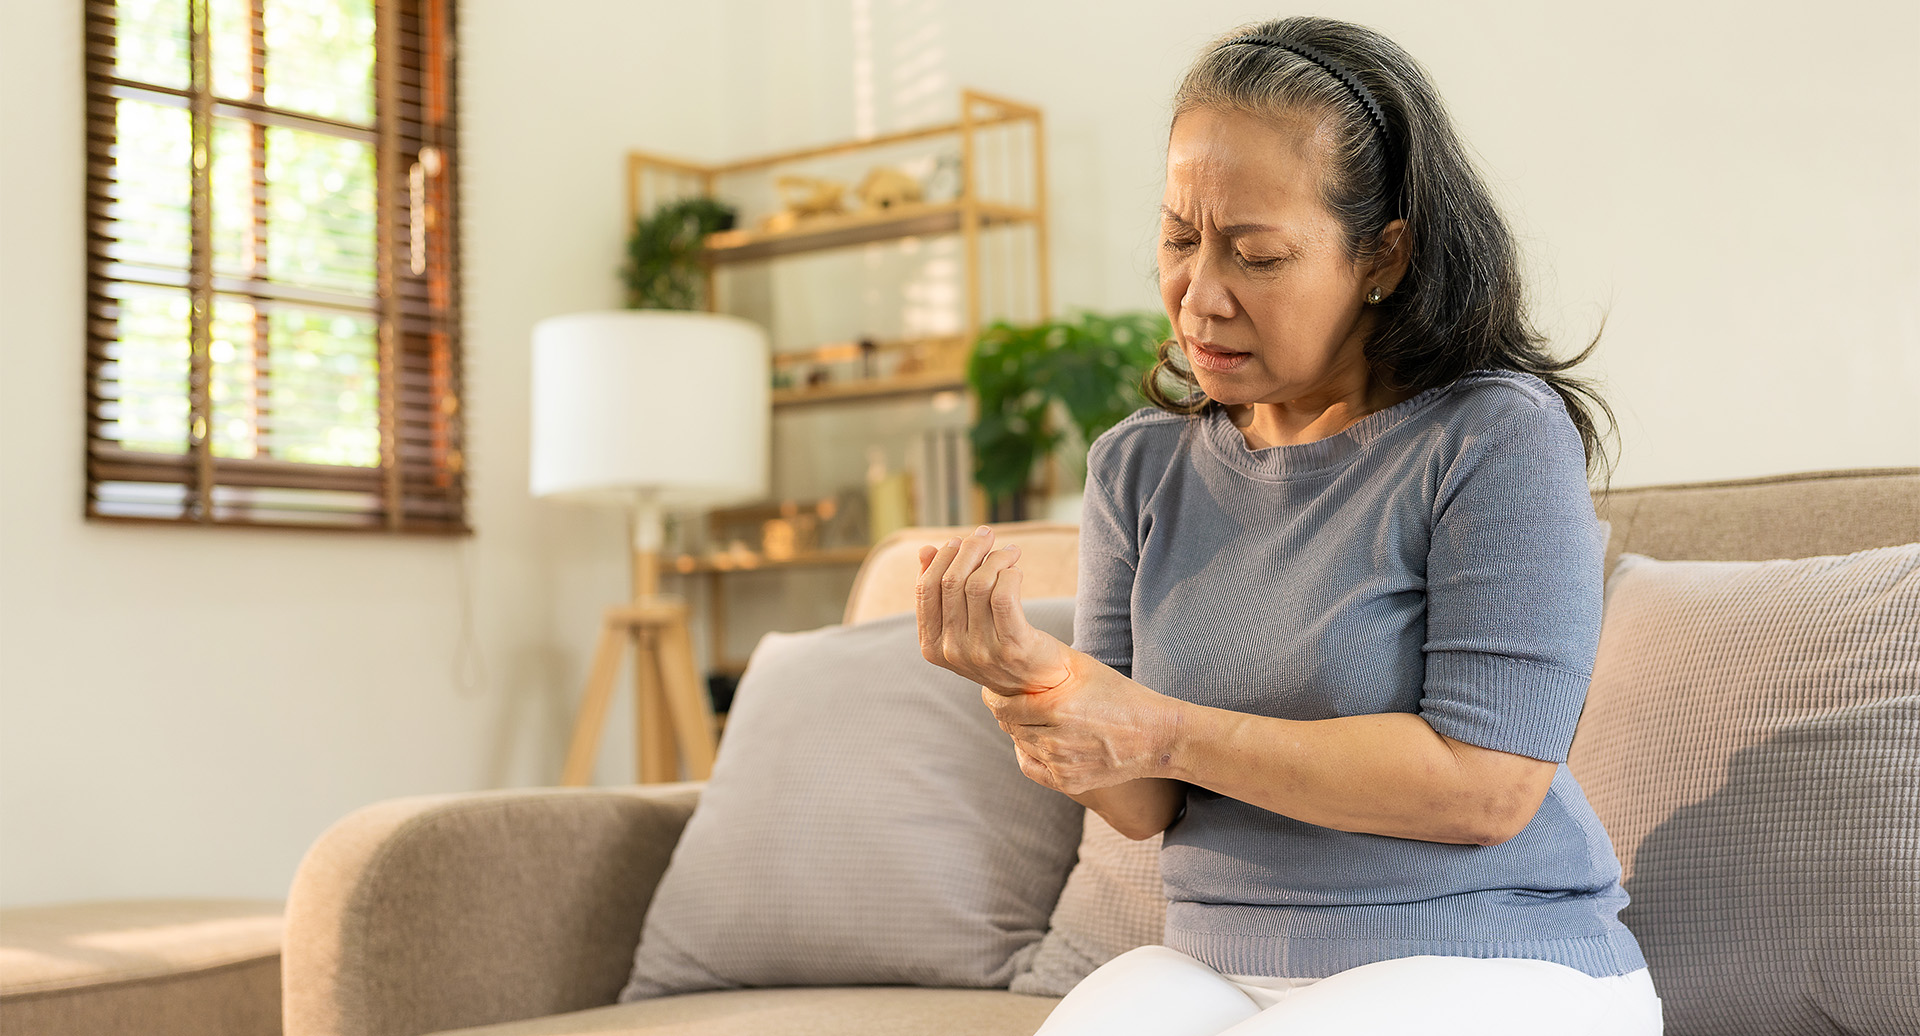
1752	743
866	824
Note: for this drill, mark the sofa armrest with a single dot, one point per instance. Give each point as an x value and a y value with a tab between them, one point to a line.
423	914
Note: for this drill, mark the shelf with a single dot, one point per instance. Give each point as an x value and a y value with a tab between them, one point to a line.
689	564
870	388
858	228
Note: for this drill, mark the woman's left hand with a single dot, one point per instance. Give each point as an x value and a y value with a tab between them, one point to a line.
1096	729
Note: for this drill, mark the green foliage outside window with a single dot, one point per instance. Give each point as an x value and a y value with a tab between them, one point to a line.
289	381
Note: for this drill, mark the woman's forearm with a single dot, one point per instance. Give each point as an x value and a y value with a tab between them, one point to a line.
1140	808
1386	774
1128	752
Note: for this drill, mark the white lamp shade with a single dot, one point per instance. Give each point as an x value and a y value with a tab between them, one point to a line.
650	403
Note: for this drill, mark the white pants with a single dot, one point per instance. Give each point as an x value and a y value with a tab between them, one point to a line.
1159	991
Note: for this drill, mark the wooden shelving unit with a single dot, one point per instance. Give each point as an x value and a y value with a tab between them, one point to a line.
693	564
858	228
998	187
922	365
1001	155
870	388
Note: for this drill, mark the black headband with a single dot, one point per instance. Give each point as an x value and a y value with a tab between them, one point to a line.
1337	70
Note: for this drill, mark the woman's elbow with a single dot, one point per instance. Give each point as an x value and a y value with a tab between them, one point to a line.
1498	834
1499	794
1503	822
1138	832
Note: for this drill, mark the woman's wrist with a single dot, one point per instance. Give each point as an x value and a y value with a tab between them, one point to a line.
1169	726
1197	738
1160	718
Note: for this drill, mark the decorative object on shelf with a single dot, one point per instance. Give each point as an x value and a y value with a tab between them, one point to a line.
943	184
846	527
886	187
804	198
778	539
1091	366
663	253
868	368
940	461
791	533
613	425
889	497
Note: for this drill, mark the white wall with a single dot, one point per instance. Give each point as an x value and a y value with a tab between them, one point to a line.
182	710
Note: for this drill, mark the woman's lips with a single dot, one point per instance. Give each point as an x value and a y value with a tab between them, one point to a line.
1210	357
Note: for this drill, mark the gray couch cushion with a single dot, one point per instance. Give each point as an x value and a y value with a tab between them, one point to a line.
866	823
1752	743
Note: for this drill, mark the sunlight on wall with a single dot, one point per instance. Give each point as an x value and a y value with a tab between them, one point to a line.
863	116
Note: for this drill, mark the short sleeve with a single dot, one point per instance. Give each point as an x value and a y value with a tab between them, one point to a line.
1109	554
1513	588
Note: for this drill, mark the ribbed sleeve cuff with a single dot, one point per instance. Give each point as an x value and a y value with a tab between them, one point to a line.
1503	703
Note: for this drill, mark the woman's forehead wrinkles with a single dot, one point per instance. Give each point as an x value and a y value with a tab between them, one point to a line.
1232	227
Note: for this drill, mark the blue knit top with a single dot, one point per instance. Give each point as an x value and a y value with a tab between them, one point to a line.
1439	557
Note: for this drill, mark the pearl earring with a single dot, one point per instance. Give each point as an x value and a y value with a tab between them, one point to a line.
1374	296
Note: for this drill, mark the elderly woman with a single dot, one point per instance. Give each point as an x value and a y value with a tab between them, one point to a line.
1339	603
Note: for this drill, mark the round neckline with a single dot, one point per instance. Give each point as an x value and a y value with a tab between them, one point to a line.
1295	460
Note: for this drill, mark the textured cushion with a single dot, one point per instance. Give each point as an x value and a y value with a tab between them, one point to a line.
832	1011
1752	743
866	823
196	967
1113	902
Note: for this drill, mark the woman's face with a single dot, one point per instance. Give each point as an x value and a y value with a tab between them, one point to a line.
1253	268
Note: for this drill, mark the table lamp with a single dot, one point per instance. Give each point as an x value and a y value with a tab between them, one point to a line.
652	410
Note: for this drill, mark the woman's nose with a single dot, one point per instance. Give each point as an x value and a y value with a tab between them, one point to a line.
1206	296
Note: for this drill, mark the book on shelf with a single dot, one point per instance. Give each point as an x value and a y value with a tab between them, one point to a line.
940	461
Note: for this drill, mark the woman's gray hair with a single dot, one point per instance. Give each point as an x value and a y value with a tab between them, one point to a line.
1461	306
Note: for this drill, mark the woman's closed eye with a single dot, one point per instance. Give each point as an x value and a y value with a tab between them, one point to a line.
1181	246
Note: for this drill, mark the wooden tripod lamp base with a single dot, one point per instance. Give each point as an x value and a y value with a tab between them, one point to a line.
615	422
673	716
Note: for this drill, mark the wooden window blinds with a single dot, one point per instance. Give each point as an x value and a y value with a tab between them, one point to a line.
273	300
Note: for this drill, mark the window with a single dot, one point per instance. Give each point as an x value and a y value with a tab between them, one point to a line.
272	292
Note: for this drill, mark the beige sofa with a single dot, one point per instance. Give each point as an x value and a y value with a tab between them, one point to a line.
157	967
516	913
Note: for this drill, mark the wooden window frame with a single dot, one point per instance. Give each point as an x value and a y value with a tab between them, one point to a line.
419	484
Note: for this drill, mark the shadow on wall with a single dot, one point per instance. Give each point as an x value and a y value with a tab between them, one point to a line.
1785	903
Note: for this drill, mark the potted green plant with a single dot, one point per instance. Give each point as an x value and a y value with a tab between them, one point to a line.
662	270
1089	367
